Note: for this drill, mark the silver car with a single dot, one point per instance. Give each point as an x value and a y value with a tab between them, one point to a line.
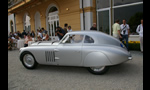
94	50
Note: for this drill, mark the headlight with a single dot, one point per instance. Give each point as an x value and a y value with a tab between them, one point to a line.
20	49
130	58
121	44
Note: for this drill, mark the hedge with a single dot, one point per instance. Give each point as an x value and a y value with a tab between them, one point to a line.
134	45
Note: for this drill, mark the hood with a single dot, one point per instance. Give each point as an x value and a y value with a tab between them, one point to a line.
44	43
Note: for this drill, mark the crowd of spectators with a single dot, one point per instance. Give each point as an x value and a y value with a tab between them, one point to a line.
30	36
27	36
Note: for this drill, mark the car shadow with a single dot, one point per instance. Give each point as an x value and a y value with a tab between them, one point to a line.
62	69
121	69
124	69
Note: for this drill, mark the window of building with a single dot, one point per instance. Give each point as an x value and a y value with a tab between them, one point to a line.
102	4
103	21
53	9
11	26
110	10
132	14
26	20
52	22
122	2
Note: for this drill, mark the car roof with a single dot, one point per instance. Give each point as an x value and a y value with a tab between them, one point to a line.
83	32
91	33
87	32
98	36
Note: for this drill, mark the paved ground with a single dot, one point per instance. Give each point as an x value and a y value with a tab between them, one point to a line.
126	76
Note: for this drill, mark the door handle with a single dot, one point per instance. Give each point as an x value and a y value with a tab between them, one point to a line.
56	50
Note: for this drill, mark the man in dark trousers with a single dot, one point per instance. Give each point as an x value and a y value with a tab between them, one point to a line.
59	32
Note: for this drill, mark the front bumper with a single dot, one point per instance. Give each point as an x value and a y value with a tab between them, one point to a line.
130	57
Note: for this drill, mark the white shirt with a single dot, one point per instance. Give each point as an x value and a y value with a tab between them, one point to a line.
140	30
43	37
124	29
40	34
69	30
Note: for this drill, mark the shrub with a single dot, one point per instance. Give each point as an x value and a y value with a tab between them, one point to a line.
134	45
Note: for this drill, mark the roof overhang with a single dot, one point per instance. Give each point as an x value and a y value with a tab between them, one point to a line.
21	5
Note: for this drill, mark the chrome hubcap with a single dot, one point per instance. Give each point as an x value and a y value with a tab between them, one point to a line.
97	69
28	60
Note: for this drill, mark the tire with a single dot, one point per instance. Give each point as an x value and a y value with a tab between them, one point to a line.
98	70
28	60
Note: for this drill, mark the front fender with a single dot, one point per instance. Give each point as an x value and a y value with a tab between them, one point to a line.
96	59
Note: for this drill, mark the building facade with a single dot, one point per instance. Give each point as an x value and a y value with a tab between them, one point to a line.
110	10
80	14
34	14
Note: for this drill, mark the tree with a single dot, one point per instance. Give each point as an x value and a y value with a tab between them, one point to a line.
134	21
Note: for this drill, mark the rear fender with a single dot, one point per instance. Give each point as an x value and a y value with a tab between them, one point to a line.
96	59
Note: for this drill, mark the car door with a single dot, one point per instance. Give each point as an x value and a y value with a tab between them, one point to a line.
68	52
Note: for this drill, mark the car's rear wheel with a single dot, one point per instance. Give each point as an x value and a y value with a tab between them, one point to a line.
98	70
28	60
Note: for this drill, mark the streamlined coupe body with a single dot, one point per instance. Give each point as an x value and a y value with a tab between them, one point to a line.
91	49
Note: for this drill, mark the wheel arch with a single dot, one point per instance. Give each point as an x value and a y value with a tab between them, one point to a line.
96	58
21	55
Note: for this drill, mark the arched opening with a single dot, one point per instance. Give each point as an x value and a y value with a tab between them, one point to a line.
52	21
37	22
26	23
11	26
53	9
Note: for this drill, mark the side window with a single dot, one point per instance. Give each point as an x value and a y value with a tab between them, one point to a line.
72	39
88	39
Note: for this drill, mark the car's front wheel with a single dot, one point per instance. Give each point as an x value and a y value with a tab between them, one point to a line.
28	60
98	70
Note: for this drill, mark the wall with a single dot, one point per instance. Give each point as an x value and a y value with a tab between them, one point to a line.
70	16
69	11
134	38
89	13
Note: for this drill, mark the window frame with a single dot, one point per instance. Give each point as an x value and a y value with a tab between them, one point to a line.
90	37
64	40
111	12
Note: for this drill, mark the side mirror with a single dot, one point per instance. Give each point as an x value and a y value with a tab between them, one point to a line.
63	42
65	39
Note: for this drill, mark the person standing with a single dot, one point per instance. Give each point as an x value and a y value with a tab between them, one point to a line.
19	34
44	31
94	27
140	31
65	27
39	35
116	29
69	29
10	43
45	37
23	33
59	32
27	39
125	30
32	34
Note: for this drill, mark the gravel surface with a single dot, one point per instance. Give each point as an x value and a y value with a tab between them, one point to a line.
126	76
